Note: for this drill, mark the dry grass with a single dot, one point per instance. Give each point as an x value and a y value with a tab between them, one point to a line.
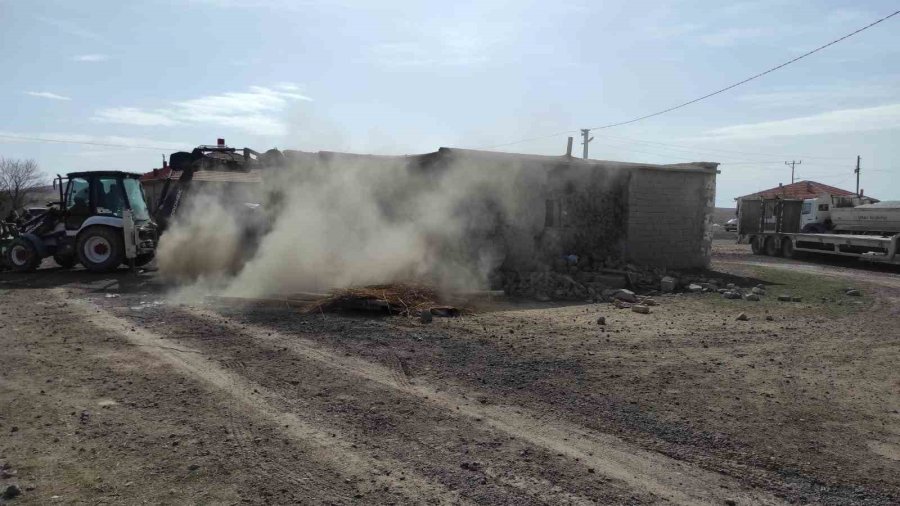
398	298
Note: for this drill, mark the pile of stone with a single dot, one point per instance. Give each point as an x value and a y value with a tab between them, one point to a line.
574	282
550	285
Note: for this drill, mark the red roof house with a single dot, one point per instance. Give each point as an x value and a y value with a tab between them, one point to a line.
799	190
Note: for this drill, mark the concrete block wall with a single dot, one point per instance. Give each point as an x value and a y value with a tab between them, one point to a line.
670	217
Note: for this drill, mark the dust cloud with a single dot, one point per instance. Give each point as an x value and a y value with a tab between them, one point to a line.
350	221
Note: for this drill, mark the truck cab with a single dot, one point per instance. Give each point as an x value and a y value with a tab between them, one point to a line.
815	215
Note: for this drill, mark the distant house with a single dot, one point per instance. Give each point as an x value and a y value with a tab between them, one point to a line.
800	190
153	182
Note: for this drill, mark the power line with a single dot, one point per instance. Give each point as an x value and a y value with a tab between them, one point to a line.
86	143
708	95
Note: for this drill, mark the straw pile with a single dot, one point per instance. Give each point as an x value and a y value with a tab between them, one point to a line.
402	299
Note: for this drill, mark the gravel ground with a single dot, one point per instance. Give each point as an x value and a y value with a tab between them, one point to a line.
111	393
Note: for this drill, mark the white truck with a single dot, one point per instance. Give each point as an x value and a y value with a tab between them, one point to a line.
847	226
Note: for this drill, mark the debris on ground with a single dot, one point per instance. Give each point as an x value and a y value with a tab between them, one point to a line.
640	308
11	492
742	317
400	299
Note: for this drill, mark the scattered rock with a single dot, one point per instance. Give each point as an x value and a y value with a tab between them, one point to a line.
14	429
601	320
730	502
731	295
640	308
742	317
752	297
7	473
758	291
852	292
784	298
621	305
471	466
193	467
648	302
667	284
11	492
694	288
625	295
426	316
796	299
769	318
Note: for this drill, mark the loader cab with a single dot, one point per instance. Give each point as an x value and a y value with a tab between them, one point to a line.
103	193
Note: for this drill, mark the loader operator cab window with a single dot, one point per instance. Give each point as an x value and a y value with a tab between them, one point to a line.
110	198
78	202
807	208
135	193
79	196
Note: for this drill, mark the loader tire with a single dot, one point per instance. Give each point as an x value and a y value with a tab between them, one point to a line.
142	260
22	256
65	261
101	249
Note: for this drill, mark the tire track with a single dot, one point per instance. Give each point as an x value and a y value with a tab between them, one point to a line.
329	447
641	470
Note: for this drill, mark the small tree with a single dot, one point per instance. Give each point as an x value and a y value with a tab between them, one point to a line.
17	179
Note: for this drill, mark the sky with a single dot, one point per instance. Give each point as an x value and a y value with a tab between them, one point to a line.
403	77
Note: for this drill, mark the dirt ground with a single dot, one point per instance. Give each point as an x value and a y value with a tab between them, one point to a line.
112	394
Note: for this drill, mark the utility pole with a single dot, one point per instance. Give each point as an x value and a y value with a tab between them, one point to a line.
858	158
792	163
584	135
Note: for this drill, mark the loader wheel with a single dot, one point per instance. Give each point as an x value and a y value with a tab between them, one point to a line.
22	256
101	249
65	261
142	260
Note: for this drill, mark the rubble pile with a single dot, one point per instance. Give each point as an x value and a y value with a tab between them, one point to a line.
603	284
576	282
398	298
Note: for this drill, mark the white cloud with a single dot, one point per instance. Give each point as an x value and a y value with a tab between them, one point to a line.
832	122
46	94
731	36
254	111
94	140
133	116
820	95
71	28
90	58
444	51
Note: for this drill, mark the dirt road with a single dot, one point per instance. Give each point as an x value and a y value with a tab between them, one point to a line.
111	393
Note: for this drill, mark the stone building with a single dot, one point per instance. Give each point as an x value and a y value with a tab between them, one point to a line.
601	213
